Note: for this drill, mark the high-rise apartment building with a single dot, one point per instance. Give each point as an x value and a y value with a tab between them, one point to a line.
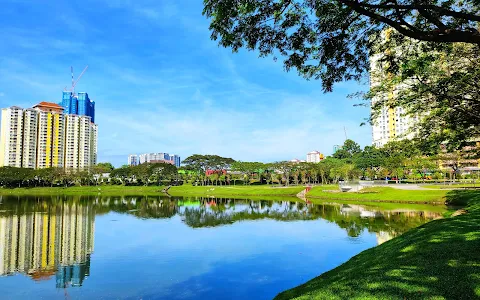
72	138
391	123
133	160
86	107
154	158
29	138
11	137
45	137
84	150
176	160
80	142
93	144
314	157
50	135
78	104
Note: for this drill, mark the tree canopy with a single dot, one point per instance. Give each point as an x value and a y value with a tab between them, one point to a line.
201	163
437	84
331	40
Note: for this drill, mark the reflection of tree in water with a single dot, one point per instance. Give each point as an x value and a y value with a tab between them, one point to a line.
207	212
141	207
353	219
222	211
393	222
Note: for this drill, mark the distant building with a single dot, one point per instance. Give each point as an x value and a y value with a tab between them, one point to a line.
336	148
80	142
156	157
392	123
176	160
133	160
51	135
296	161
314	157
29	138
11	137
78	104
45	137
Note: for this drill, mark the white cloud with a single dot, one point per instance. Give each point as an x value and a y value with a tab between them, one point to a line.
291	128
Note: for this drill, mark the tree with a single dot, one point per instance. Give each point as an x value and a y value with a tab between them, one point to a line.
341	154
106	166
285	168
202	163
371	159
421	165
437	84
99	169
331	40
123	173
348	149
162	171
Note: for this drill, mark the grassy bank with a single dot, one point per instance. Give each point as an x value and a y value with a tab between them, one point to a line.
439	260
326	192
85	190
219	191
184	190
451	186
387	194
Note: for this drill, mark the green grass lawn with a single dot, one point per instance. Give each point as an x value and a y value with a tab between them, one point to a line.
85	190
387	194
184	190
438	260
217	191
452	186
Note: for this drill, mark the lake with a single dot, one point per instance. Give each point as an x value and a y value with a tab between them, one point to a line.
74	247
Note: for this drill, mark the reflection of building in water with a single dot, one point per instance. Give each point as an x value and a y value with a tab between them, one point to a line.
58	240
383	236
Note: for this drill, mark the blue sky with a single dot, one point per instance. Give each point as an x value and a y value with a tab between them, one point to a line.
161	85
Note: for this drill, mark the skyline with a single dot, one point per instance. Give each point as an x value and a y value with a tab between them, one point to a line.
159	82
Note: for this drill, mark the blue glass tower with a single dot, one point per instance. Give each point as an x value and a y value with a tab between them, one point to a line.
78	104
69	103
83	104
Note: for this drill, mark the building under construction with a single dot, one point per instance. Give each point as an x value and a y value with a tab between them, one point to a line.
78	104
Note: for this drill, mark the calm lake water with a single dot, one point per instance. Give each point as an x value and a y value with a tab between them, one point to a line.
176	248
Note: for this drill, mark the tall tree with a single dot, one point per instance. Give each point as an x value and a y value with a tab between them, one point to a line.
348	149
438	85
331	40
370	158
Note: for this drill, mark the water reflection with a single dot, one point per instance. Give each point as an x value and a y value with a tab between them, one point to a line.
45	239
53	237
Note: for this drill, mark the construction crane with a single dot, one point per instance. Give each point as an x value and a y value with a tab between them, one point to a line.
74	82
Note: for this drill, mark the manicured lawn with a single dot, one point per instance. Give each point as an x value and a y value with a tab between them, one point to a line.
184	190
319	192
438	260
451	186
85	190
379	194
254	190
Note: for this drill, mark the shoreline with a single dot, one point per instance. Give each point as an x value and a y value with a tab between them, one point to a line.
439	259
382	194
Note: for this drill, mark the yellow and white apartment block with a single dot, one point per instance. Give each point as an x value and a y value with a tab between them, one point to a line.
39	138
